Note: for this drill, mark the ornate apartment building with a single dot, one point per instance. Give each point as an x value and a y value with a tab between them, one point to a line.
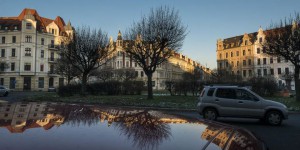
243	55
29	47
170	70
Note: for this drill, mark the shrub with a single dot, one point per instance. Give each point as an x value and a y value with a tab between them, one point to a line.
69	90
104	88
264	86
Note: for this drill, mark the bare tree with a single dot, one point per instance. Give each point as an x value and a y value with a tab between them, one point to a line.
103	74
125	74
64	67
283	40
86	50
154	39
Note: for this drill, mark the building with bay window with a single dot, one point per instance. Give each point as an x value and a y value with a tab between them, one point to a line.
29	48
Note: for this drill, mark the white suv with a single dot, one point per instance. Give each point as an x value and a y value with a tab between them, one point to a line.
234	101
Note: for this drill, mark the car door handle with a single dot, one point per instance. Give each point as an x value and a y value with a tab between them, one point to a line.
217	100
240	102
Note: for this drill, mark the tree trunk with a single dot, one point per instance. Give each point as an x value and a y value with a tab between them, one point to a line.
83	83
149	85
297	82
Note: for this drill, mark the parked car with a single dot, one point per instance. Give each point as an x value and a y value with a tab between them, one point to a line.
235	101
4	91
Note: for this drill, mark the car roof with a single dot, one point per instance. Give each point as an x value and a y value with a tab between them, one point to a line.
222	86
227	86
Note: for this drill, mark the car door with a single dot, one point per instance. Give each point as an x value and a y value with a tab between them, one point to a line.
247	104
225	98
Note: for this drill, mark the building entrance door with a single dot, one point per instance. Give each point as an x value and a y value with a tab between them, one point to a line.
27	84
61	82
51	82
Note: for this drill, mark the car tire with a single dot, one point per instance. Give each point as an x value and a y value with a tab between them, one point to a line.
274	118
210	114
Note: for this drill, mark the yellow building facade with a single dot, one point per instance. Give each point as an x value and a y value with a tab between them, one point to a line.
243	56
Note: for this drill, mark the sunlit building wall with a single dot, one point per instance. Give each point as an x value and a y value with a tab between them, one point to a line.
243	55
170	70
29	46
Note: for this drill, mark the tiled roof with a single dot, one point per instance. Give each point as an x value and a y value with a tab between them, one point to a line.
60	23
12	22
237	40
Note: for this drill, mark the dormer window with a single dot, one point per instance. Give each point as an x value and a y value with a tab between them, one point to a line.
260	40
28	26
246	42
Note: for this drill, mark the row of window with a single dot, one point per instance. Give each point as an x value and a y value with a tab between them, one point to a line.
12	82
13	40
28	39
27	67
237	54
264	62
263	72
258	51
27	53
28	26
120	64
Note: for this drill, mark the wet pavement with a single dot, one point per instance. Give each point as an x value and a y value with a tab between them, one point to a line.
43	125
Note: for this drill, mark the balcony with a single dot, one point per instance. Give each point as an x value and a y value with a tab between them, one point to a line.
52	60
27	73
51	73
54	47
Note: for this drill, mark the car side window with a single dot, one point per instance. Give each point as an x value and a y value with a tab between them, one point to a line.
226	93
210	92
245	95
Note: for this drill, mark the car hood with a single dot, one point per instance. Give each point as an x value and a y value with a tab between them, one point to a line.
73	126
274	103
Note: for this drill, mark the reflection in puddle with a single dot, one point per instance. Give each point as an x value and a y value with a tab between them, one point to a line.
110	128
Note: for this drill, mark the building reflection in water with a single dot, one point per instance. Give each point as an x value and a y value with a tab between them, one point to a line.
146	129
228	138
18	117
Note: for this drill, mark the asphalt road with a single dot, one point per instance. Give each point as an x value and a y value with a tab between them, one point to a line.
284	137
16	96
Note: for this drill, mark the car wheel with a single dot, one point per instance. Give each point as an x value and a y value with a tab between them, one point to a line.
6	94
210	114
274	118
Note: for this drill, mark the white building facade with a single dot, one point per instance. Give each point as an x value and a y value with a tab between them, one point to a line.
169	70
29	46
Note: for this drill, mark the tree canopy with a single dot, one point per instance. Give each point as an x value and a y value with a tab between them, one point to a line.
154	39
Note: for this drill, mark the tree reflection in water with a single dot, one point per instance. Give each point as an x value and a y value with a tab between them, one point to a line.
145	130
77	115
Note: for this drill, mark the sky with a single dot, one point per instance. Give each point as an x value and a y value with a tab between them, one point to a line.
206	20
